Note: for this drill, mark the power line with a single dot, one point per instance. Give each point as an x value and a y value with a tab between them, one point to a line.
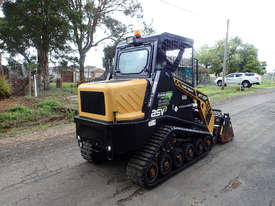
176	6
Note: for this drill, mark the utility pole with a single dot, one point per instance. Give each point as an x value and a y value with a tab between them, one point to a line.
225	55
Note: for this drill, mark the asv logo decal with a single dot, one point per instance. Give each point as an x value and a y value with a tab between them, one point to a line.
158	112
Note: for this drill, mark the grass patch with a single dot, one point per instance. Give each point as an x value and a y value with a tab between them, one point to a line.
20	115
215	93
49	104
68	89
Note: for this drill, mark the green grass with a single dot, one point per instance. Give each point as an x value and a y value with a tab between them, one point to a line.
215	93
19	114
60	94
54	101
68	89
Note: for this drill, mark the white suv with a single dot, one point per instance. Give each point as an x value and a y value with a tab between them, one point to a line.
246	79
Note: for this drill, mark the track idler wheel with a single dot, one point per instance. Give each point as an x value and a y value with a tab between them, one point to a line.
178	157
165	163
199	146
152	172
207	143
189	153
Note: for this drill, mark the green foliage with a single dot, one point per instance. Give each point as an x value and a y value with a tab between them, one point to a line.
241	57
19	114
16	114
49	104
89	17
20	108
4	88
204	77
39	24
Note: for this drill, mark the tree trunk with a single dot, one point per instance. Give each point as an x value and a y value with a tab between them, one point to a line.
81	66
44	66
30	81
1	69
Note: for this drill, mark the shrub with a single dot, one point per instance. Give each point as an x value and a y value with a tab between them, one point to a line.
4	88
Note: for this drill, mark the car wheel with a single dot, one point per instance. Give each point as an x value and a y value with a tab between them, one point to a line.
219	83
246	84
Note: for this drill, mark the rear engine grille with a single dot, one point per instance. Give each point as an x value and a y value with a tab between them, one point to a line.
92	102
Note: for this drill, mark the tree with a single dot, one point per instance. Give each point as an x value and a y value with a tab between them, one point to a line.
93	22
205	56
241	57
39	24
13	39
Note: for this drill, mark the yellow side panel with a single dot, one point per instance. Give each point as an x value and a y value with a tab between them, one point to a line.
125	98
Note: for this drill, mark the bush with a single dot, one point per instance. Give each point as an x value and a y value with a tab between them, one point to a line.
4	88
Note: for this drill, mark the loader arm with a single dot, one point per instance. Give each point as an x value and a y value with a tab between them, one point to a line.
204	107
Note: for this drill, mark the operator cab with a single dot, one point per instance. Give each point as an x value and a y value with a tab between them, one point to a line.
138	57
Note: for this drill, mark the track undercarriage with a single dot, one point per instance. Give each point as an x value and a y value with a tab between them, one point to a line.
170	150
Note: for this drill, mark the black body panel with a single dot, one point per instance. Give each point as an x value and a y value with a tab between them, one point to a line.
123	137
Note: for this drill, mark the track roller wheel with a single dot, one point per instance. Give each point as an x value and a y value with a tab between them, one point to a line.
199	146
178	157
151	174
188	150
207	143
165	163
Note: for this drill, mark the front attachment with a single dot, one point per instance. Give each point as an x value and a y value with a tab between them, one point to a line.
224	130
227	133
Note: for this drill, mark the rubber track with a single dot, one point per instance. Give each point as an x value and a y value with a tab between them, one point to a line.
137	165
86	151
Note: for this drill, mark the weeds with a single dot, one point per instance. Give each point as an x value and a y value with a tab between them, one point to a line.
20	115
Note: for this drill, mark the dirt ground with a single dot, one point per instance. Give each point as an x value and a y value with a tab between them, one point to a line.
45	167
13	101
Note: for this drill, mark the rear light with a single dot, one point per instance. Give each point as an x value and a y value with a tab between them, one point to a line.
257	78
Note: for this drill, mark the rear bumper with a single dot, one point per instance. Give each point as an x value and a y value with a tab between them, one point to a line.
121	137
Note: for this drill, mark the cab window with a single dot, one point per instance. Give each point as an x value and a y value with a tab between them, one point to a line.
133	62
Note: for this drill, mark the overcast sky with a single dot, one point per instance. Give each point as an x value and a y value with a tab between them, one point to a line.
205	22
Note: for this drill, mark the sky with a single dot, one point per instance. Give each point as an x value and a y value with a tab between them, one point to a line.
205	22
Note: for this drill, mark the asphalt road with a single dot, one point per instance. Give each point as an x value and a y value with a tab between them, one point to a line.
240	173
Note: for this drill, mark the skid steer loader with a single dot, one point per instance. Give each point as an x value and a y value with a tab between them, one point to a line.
149	110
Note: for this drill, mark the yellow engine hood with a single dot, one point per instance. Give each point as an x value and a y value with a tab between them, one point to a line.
123	97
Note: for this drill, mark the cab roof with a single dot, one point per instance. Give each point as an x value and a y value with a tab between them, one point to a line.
165	39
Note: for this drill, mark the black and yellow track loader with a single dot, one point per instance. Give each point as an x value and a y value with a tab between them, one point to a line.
149	110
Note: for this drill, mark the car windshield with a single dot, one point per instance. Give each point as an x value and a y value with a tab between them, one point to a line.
230	75
133	62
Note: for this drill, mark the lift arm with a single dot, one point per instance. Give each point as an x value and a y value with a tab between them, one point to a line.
204	107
